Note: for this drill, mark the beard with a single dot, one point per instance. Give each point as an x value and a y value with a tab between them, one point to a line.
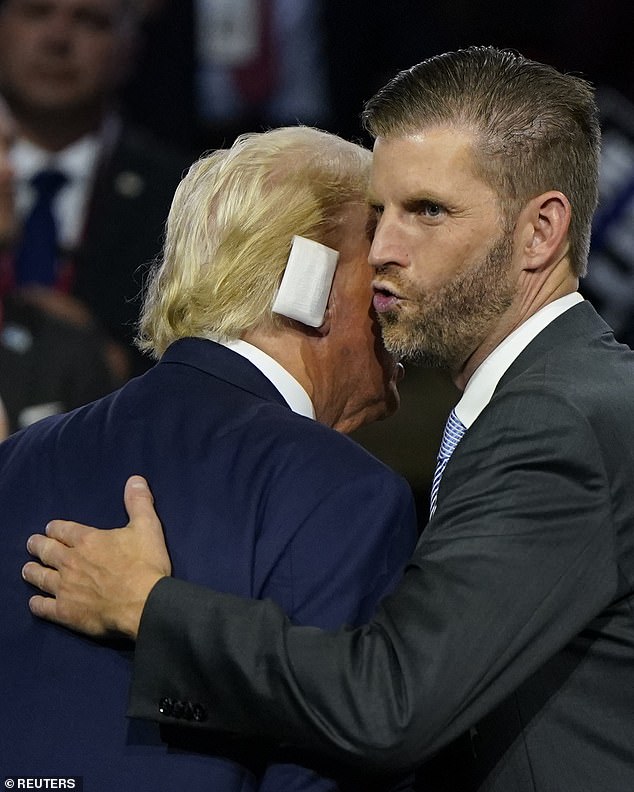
448	325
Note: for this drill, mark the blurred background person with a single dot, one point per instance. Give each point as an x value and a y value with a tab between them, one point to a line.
47	365
92	193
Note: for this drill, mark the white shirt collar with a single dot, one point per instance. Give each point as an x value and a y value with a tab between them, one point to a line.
294	394
485	378
77	161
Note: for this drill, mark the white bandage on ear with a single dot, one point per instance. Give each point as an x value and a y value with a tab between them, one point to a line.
306	283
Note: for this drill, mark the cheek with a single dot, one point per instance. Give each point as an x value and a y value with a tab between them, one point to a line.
96	63
436	265
99	56
371	361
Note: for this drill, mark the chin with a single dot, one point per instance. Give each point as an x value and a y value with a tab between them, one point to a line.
383	408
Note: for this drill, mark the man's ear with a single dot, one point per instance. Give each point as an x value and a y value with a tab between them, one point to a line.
544	225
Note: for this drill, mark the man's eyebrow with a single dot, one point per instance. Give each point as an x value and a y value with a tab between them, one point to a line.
419	202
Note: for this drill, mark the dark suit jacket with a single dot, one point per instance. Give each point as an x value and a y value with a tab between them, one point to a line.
47	366
132	195
505	659
256	500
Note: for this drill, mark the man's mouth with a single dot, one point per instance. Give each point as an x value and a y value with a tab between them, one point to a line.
384	298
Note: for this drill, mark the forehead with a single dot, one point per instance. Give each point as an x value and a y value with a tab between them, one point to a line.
438	160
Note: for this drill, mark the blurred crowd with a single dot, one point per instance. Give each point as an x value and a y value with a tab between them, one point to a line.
109	101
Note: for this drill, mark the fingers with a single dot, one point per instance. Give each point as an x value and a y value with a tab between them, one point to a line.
44	607
68	532
50	551
41	577
54	611
47	580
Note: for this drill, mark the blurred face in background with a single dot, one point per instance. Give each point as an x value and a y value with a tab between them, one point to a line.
62	56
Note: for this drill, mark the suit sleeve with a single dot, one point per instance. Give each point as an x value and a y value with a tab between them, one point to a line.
518	558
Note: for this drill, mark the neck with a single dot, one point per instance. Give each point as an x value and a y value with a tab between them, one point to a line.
287	346
55	132
532	296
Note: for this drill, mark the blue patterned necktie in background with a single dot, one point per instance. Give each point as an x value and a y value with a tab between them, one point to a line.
36	256
454	430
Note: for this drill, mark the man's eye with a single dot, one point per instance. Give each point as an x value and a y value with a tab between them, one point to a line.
431	209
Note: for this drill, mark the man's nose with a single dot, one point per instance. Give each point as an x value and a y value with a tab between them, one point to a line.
387	245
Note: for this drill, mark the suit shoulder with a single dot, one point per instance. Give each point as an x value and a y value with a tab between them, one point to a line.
327	449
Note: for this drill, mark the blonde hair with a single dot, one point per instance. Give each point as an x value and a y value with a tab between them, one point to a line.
230	228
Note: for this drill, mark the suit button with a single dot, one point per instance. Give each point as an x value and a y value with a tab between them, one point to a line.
188	714
199	713
166	706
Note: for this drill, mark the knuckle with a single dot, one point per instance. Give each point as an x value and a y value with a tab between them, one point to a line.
44	581
85	540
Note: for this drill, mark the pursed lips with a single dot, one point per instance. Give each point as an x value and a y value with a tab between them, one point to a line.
384	298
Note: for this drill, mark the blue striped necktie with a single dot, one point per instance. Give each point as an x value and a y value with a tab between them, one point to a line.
454	430
37	254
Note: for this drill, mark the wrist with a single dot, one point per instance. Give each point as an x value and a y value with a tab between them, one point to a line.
128	619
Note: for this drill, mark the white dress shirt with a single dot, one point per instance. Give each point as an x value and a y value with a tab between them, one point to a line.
485	378
294	394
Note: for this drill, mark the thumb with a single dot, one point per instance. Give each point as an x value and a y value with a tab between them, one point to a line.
137	490
139	504
138	500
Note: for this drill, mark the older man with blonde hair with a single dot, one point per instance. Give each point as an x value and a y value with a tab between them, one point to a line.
276	504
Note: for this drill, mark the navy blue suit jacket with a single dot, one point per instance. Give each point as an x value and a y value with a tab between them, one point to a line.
255	500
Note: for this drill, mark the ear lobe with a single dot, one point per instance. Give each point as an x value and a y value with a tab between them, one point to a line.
548	223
